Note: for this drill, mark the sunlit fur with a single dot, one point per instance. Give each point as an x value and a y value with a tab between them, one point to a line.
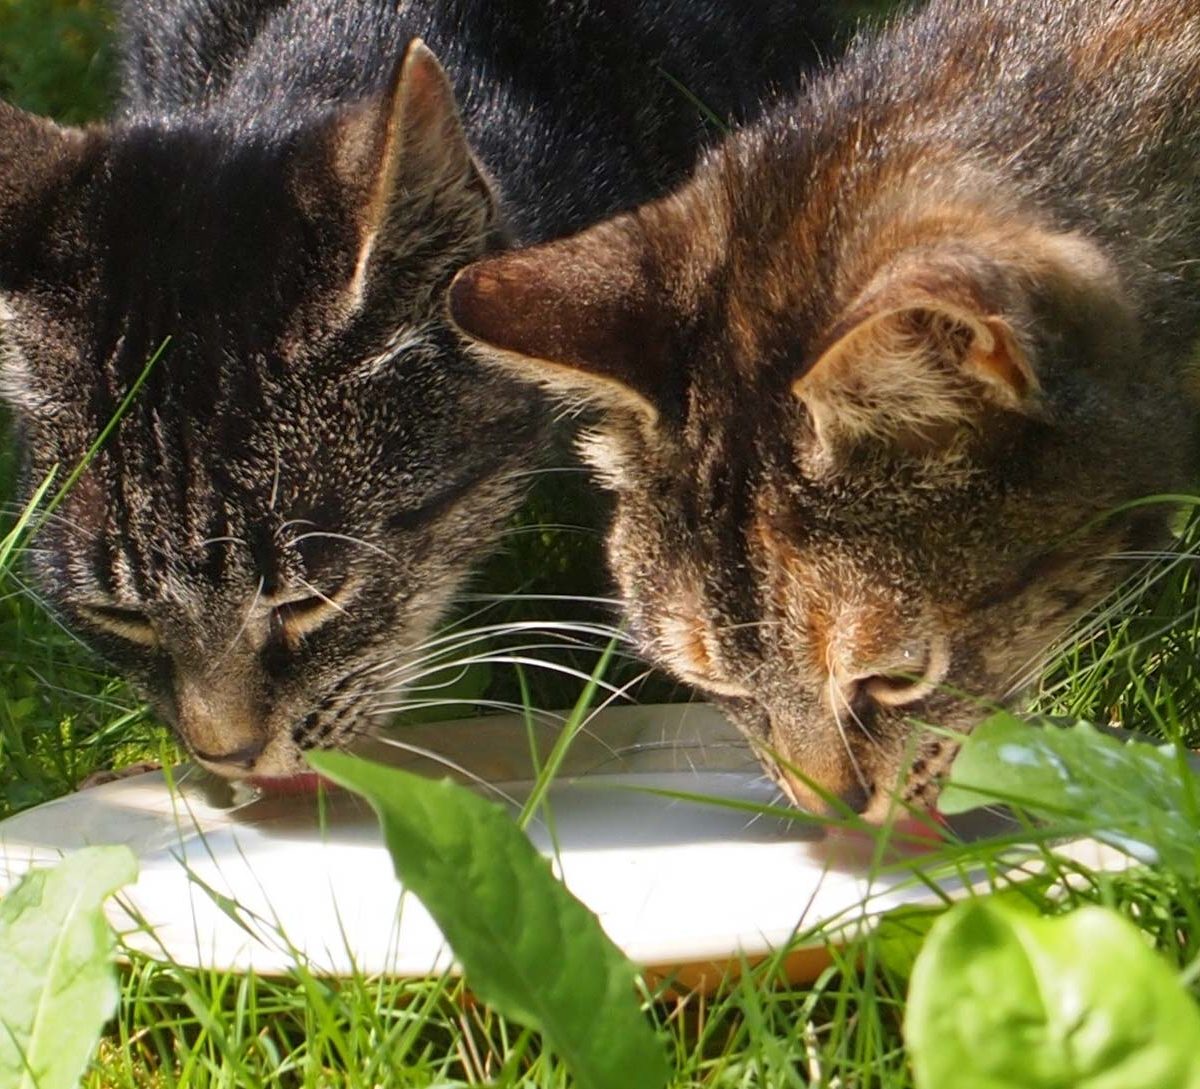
313	464
889	368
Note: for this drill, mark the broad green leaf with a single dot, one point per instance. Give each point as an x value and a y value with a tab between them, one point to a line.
1003	999
527	946
1138	797
57	983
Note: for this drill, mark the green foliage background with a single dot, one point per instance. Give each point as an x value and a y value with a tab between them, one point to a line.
54	57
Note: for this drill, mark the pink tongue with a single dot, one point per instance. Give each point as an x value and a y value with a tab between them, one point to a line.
296	784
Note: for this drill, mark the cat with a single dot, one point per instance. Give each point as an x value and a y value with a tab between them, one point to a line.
876	388
258	244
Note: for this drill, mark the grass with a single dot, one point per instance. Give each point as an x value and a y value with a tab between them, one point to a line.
181	1027
62	716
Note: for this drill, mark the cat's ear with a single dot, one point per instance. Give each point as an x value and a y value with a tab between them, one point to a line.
585	317
36	156
422	196
927	349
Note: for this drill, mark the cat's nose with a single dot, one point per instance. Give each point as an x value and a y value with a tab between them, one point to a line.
834	798
222	721
856	797
242	758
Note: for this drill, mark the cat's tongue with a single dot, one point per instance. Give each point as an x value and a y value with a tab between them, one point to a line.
304	784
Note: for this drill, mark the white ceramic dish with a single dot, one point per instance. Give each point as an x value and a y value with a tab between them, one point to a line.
682	886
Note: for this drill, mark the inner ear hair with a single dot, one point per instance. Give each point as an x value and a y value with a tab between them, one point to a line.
916	372
943	337
405	156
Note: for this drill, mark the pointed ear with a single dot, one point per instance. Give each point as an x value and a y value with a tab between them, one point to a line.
923	352
585	316
36	157
425	204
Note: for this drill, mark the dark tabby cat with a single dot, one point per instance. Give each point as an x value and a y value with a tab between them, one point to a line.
877	383
313	464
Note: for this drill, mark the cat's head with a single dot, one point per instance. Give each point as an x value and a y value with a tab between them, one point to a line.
868	454
308	463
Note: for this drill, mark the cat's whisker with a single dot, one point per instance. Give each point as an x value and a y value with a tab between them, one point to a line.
452	765
516	597
27	591
608	701
405	706
555	470
553	667
837	695
863	781
1133	588
1036	670
247	616
345	538
42	518
461	623
73	694
444	651
461	664
1126	651
746	625
292	523
512	532
454	672
1152	555
1113	612
753	821
337	606
209	542
489	601
273	499
452	642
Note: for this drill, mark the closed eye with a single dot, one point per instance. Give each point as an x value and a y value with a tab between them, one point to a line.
436	505
720	688
132	625
687	648
300	617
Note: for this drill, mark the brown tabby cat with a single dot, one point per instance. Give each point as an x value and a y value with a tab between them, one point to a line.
877	383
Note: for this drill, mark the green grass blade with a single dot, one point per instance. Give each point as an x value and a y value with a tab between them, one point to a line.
14	536
576	721
105	432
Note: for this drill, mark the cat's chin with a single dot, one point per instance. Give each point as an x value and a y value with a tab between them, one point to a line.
287	785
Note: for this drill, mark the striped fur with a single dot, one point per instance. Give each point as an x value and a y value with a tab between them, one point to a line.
874	386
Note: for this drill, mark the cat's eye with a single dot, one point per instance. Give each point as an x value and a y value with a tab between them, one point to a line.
132	625
299	617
